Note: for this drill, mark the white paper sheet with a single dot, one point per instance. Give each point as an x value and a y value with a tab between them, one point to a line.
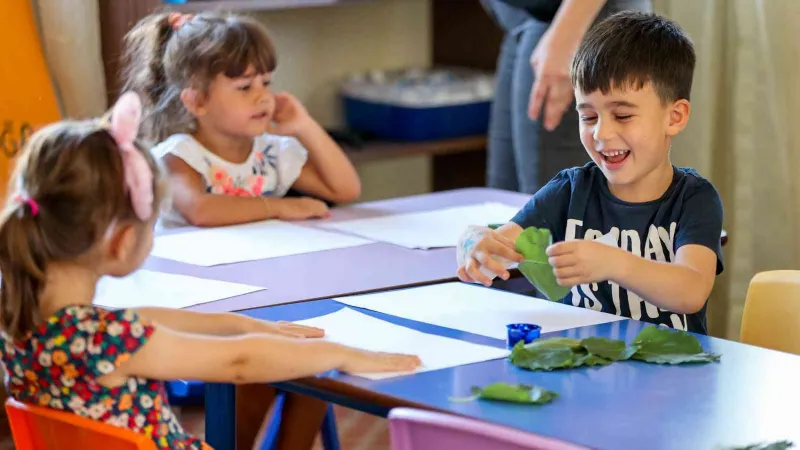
359	330
476	309
430	229
148	288
262	240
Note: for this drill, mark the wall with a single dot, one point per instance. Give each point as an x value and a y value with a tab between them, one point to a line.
319	46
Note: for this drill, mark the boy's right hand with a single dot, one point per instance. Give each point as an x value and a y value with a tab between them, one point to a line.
363	361
483	254
302	208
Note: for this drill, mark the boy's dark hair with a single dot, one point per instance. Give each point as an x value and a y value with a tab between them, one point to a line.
630	49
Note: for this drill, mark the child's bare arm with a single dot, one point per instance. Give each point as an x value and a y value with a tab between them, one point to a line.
189	197
328	174
222	324
682	286
252	358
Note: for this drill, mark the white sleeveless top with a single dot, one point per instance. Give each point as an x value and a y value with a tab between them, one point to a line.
271	169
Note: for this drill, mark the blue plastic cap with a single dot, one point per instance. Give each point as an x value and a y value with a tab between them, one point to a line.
525	332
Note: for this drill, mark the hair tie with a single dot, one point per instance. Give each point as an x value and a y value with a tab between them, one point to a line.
176	19
29	202
125	119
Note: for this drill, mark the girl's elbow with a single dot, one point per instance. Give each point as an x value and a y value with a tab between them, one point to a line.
347	194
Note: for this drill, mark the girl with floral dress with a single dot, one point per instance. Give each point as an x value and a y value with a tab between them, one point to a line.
233	148
84	202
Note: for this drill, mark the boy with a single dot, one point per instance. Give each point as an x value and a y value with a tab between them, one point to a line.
632	77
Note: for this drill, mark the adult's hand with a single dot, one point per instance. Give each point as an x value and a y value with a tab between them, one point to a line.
552	91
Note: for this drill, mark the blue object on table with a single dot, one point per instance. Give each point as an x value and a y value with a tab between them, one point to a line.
525	332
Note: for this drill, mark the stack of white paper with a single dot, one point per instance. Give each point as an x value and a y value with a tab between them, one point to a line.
261	240
430	229
359	330
147	288
476	309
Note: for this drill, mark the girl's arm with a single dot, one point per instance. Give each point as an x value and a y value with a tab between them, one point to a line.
199	208
222	324
251	358
328	174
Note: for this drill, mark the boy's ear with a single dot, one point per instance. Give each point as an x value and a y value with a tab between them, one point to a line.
678	116
194	101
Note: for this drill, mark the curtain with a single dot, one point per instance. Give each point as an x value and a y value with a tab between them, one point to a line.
744	102
70	32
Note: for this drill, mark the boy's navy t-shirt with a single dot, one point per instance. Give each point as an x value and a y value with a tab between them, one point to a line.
577	204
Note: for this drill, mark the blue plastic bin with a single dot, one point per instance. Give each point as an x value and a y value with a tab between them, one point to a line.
400	123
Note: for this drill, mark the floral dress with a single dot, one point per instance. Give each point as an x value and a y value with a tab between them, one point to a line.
273	166
57	366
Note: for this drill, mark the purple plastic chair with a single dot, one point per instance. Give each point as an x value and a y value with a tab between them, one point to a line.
414	429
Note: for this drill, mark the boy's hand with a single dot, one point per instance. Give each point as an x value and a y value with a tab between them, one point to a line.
290	116
482	252
583	262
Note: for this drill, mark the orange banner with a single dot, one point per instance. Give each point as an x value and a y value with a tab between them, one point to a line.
27	99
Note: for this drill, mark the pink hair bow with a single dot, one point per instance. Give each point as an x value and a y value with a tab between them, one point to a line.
125	119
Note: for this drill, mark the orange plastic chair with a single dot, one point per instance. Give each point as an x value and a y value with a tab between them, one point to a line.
40	428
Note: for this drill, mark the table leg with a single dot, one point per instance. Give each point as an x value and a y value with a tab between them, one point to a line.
301	421
253	402
220	415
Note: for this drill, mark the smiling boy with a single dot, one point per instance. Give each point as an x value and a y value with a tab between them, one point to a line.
632	77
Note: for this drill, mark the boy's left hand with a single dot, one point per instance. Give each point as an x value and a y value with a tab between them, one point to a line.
582	262
290	116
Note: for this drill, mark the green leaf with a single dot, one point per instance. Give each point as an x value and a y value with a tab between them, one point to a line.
781	445
532	243
515	393
666	346
548	354
542	277
609	349
494	226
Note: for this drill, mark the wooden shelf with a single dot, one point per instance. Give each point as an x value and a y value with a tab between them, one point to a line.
191	6
381	150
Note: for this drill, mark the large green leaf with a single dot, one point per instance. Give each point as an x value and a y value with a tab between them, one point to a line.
543	279
516	393
653	344
666	346
544	358
608	348
532	243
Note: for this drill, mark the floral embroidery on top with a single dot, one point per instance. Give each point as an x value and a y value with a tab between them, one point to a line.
57	366
221	182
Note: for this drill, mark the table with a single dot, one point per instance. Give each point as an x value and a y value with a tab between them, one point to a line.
345	271
628	405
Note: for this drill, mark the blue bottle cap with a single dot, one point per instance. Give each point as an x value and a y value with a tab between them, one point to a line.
525	332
